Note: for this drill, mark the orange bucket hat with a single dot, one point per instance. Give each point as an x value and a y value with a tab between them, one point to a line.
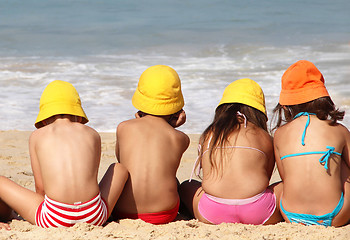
302	82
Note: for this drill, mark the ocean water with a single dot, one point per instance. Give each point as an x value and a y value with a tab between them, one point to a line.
102	47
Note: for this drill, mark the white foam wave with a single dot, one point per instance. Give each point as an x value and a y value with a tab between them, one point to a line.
106	82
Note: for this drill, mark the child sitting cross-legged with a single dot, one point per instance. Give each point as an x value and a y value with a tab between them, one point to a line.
151	148
65	157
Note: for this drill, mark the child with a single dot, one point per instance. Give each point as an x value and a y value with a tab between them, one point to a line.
236	156
151	149
312	150
65	157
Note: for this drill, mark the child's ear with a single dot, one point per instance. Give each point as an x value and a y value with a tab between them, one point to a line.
180	119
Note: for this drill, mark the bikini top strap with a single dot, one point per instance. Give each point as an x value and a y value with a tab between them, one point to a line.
306	125
196	170
245	118
323	159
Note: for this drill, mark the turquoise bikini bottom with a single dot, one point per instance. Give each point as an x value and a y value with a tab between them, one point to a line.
309	219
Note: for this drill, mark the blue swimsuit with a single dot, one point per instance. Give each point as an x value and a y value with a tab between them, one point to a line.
309	219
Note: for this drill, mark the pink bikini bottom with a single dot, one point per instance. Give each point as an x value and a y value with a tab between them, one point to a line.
255	210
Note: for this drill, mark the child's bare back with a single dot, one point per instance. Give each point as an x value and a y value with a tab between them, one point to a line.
248	171
312	150
237	160
60	148
306	174
151	148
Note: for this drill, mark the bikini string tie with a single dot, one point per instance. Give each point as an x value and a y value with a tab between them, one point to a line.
324	159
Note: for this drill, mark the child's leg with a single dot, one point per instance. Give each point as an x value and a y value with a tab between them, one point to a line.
5	211
276	217
112	184
24	201
190	194
5	215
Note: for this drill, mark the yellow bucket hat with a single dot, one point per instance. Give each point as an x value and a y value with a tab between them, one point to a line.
245	91
59	97
159	91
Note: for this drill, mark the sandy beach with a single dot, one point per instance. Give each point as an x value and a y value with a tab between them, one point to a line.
15	164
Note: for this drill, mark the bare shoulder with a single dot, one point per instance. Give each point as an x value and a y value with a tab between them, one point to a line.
260	133
37	134
342	128
90	129
34	136
122	126
95	134
265	140
344	131
183	138
280	131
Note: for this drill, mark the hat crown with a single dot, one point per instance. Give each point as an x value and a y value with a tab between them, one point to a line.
300	75
59	97
159	91
59	91
245	91
302	82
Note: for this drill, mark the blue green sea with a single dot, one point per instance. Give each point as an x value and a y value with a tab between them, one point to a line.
102	47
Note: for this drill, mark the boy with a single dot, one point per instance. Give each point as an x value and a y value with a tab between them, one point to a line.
65	156
151	149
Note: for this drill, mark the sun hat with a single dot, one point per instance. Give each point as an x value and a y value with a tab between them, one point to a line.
158	91
245	91
59	97
302	82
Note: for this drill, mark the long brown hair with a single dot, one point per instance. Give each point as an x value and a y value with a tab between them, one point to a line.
226	121
323	107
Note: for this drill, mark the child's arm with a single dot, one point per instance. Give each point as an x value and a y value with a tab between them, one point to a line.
112	184
39	186
346	150
186	142
117	151
277	157
117	142
271	162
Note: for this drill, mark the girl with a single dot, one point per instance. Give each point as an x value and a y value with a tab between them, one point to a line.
236	155
312	150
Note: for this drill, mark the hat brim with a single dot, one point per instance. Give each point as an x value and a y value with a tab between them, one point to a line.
155	106
299	96
56	108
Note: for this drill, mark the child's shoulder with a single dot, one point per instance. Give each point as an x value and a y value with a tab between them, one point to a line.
280	131
91	130
127	123
182	138
182	135
34	135
343	129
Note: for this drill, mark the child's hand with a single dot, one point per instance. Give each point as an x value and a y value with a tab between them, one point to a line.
178	119
139	114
